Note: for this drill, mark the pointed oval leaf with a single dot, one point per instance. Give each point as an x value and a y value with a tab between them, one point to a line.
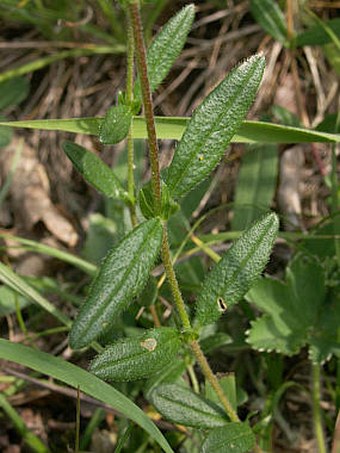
213	125
269	15
94	171
122	276
166	47
233	438
182	406
137	357
115	125
238	269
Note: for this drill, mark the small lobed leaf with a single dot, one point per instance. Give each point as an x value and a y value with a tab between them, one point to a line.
166	47
212	127
115	125
231	438
238	269
269	334
180	405
122	276
94	170
297	313
137	357
269	15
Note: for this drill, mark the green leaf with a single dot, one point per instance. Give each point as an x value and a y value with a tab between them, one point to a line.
269	15
77	378
318	36
5	135
238	269
42	62
9	300
139	357
173	128
31	440
170	374
13	91
212	126
256	185
115	125
122	276
233	437
94	170
297	312
184	407
166	47
148	205
228	385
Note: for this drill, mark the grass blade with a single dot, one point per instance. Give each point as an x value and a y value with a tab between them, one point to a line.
11	279
173	128
87	383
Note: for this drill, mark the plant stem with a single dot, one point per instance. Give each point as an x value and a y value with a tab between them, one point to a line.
134	11
147	102
316	398
170	273
201	359
129	98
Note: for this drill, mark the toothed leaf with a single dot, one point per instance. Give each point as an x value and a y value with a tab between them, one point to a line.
297	313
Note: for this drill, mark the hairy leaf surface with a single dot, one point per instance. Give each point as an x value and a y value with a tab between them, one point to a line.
233	437
115	125
180	405
94	171
166	47
122	276
213	125
137	357
238	269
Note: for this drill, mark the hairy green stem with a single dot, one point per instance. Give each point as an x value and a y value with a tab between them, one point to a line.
170	273
129	98
201	359
134	10
317	417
